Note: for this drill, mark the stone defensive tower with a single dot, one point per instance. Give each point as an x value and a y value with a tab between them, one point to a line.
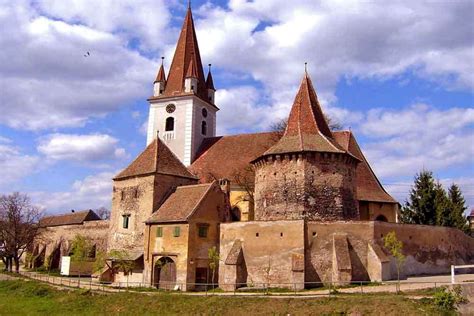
307	174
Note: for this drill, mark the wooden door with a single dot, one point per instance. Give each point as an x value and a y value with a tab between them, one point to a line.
166	271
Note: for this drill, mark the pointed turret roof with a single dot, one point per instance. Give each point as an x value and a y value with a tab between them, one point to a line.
156	158
307	129
161	76
186	53
209	81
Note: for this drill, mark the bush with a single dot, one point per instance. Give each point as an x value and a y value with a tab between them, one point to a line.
448	299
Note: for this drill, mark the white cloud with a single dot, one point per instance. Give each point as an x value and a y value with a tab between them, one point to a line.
145	21
46	78
84	148
270	40
15	165
400	143
91	192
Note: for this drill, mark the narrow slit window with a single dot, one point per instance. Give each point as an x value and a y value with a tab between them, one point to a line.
125	221
204	128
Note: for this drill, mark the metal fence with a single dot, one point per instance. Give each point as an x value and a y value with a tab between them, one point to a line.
306	288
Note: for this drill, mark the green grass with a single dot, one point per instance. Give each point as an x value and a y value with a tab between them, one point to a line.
28	297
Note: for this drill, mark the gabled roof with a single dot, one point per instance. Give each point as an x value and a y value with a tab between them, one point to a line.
369	187
187	52
181	204
156	158
73	218
230	156
307	129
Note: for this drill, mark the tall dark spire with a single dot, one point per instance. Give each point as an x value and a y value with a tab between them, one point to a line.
186	54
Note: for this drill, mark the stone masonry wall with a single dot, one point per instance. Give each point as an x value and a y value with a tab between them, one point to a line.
51	238
138	197
311	186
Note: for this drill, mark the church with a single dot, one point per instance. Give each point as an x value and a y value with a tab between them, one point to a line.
294	208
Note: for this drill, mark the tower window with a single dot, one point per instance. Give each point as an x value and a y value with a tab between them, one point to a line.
204	112
125	221
204	128
169	124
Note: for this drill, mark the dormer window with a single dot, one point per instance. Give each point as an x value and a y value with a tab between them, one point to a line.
204	128
169	126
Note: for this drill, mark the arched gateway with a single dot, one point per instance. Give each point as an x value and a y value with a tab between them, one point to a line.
164	273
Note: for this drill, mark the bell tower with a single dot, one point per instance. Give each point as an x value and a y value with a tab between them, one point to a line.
182	110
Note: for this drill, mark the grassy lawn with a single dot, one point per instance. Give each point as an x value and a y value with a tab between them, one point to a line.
34	298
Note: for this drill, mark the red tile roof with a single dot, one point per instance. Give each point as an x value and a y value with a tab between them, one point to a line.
369	187
230	156
161	77
192	71
180	205
73	218
187	51
307	129
156	158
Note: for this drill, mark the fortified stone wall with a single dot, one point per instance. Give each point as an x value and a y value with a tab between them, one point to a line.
429	249
59	238
257	253
311	186
334	252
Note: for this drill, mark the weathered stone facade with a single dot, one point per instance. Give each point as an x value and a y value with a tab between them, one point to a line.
55	241
186	251
339	252
138	197
312	186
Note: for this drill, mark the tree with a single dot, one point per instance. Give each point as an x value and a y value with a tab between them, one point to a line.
443	207
103	212
395	246
280	125
81	252
18	226
122	262
458	207
213	256
421	206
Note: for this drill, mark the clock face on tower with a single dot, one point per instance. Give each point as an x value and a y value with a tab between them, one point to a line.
204	112
170	108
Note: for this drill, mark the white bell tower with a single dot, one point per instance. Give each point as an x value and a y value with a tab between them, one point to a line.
182	109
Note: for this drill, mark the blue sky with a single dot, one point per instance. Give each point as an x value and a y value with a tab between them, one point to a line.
399	75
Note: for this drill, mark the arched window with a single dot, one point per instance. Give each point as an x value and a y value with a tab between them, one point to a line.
235	213
204	128
381	218
169	124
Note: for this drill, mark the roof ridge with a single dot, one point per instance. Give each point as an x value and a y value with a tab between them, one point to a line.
201	199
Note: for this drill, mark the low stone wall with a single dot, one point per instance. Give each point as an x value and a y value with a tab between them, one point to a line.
59	238
270	252
288	252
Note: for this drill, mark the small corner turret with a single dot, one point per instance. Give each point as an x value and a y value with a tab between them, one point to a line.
210	86
160	82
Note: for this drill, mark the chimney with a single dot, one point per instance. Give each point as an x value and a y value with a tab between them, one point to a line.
225	185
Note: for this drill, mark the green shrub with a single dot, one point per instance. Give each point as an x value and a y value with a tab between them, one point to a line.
448	300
